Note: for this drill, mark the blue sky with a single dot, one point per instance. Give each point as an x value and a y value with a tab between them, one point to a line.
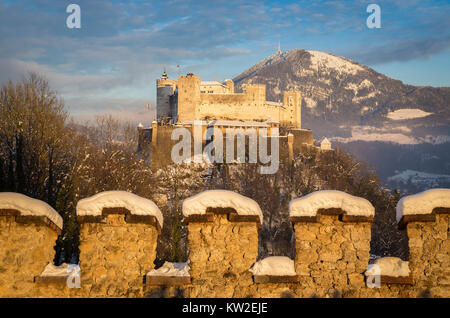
111	63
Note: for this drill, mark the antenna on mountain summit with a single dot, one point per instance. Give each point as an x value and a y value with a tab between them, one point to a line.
279	49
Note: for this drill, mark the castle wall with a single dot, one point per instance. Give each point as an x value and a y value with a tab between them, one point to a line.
301	137
251	105
144	139
238	107
255	93
162	144
213	89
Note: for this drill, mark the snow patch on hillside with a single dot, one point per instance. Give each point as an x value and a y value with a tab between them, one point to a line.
355	88
419	178
423	202
338	64
274	266
407	113
391	134
436	140
369	133
29	206
393	138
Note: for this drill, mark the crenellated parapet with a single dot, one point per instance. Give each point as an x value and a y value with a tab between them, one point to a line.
28	232
332	242
223	243
426	218
118	235
119	231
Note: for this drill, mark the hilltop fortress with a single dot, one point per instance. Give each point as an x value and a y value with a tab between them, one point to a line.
189	102
189	98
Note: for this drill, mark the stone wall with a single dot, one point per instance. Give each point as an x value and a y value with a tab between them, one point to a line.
239	107
26	247
115	254
429	256
117	249
220	254
301	137
331	255
158	139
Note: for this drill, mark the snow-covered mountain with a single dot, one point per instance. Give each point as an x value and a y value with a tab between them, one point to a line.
352	103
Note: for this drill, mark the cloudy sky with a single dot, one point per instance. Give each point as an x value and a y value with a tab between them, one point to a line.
111	63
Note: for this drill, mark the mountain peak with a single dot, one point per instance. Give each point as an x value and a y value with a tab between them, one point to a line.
306	61
338	89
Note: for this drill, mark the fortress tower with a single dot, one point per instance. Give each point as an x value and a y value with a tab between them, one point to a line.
165	87
188	97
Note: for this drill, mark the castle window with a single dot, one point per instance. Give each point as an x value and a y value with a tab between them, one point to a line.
291	101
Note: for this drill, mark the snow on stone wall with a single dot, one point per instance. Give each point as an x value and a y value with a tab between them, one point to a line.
423	202
274	266
198	204
56	271
29	206
390	266
171	269
308	205
114	199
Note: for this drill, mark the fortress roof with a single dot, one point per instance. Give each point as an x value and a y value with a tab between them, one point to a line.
273	103
237	123
210	83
